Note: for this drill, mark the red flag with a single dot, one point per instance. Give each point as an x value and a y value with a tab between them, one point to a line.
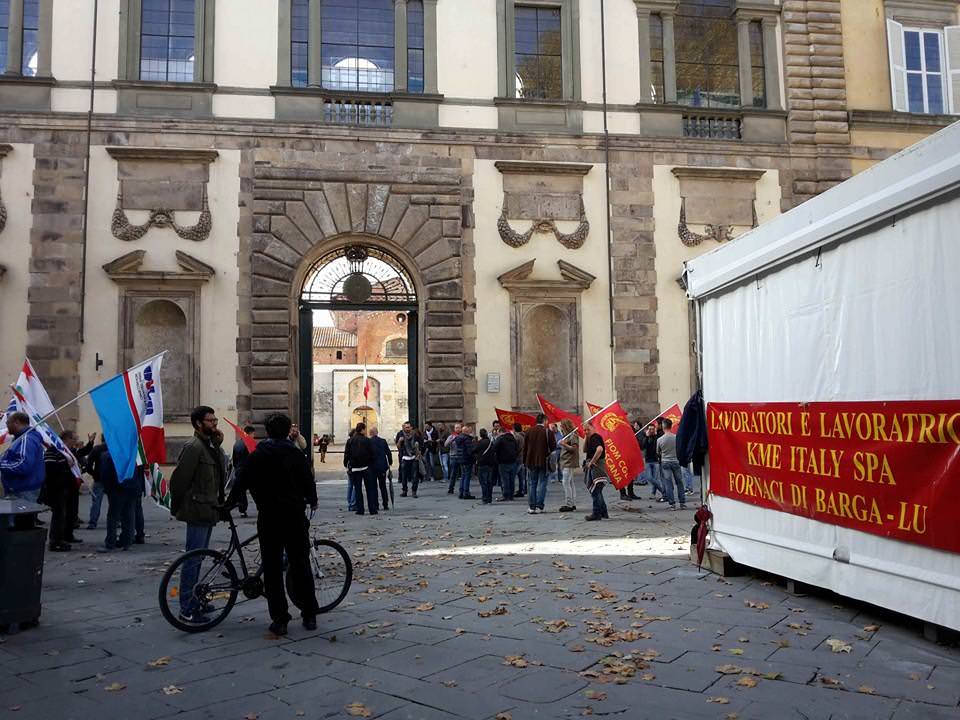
555	414
366	383
593	409
248	440
508	417
673	413
624	459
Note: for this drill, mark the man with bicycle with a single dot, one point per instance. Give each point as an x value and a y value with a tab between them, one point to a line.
280	479
196	494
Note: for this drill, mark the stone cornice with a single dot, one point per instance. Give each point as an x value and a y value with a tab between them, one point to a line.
657	6
126	270
756	9
908	122
522	167
575	280
702	173
162	153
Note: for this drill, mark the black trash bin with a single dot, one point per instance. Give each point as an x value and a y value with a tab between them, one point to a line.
21	564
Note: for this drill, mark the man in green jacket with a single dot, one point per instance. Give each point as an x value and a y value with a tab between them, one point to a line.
196	492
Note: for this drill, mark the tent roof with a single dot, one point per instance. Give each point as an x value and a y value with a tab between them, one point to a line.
917	175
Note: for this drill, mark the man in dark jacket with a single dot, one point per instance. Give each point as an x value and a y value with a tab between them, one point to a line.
281	481
91	466
237	458
537	446
196	494
486	466
358	459
466	445
409	451
121	497
57	490
507	450
382	462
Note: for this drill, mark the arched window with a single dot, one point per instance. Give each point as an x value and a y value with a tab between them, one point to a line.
395	348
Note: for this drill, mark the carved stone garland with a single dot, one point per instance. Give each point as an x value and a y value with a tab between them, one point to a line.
3	215
720	233
123	229
573	240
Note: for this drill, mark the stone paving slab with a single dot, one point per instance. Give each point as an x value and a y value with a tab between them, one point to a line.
411	642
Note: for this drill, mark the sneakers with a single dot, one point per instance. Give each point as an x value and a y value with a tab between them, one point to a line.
403	494
279	628
531	511
196	618
310	622
673	506
591	517
567	508
415	493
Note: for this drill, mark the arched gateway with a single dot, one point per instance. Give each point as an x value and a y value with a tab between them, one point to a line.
387	235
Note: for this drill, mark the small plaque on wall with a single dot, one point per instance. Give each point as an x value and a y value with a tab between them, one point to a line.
493	382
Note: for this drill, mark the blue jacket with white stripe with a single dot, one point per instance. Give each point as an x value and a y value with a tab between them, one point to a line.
21	466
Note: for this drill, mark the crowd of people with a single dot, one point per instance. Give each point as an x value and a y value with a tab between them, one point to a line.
518	462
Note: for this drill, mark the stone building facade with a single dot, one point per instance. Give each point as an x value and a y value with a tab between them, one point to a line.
460	143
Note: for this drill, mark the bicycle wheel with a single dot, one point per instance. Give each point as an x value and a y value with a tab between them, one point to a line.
213	596
332	572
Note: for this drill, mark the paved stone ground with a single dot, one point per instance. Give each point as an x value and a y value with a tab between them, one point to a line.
460	610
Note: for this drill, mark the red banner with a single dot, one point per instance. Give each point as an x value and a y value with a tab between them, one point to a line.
248	440
507	419
673	414
593	409
886	468
624	460
555	414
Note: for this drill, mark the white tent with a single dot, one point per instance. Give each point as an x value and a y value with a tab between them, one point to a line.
851	296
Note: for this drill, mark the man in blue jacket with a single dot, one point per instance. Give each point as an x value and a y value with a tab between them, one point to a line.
21	466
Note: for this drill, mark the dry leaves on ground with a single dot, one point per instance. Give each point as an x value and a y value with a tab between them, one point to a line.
503	716
555	626
719	700
839	646
424	607
756	605
449	683
595	695
172	690
358	710
160	662
747	681
736	651
871	628
499	610
115	687
516	660
830	682
866	690
728	669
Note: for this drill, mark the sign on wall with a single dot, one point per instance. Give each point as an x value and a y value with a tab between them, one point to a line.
886	468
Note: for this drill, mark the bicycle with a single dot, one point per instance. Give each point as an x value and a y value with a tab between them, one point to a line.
218	582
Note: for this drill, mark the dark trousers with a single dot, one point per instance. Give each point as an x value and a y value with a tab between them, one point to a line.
466	472
138	519
73	507
290	536
364	479
508	472
121	512
485	473
242	502
55	494
409	474
599	504
455	473
382	482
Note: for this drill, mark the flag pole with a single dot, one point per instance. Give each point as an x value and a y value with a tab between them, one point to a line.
95	387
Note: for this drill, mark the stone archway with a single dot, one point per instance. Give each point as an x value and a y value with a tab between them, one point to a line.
305	204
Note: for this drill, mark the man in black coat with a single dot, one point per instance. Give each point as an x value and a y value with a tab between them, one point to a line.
358	459
382	462
280	478
237	458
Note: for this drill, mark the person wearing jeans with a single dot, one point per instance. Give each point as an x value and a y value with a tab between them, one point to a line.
651	459
466	446
569	462
670	474
196	497
486	466
538	444
120	504
594	472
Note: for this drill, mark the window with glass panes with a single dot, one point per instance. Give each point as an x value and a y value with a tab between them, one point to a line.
923	50
539	52
757	71
357	39
656	58
415	46
299	42
167	39
706	54
4	32
31	38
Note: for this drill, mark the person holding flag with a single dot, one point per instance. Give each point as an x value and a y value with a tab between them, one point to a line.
21	465
594	472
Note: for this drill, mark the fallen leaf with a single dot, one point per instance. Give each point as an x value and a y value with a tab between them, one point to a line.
716	648
839	646
648	677
747	681
115	687
172	690
736	651
728	669
449	683
424	607
595	695
719	700
914	676
160	661
830	682
358	710
783	643
251	716
772	675
503	716
866	690
577	648
756	605
871	628
515	660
